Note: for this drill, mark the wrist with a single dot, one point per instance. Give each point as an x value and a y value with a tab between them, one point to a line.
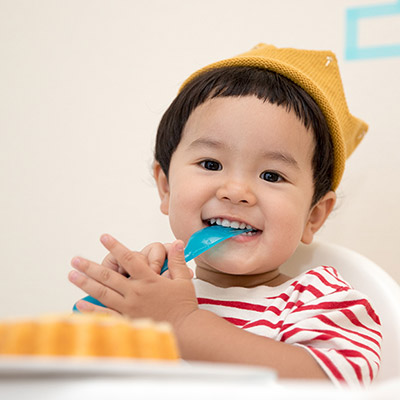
184	320
191	333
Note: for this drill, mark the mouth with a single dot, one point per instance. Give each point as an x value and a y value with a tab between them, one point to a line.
233	224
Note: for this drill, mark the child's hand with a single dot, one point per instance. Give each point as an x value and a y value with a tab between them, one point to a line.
145	293
156	254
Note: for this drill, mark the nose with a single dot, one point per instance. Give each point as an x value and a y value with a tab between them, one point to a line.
237	192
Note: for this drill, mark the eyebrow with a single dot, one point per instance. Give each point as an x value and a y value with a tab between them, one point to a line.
280	156
207	142
270	155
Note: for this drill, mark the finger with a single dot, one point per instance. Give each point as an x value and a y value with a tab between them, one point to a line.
166	274
110	262
101	274
87	307
97	290
156	254
176	262
135	263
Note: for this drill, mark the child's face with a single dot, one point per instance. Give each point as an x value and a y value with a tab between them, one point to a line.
244	161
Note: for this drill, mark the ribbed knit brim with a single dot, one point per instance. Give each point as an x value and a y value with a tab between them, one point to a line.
317	72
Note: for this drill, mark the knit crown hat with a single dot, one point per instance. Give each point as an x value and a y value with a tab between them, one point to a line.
318	74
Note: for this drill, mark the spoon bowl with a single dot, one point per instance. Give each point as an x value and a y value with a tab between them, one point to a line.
204	239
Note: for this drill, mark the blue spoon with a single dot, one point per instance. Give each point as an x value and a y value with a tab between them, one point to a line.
204	239
198	243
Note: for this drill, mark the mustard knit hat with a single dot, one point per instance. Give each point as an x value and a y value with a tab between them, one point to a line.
318	74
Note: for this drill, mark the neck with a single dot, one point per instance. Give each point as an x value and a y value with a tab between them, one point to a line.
220	279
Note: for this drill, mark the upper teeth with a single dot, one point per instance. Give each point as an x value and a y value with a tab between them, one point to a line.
230	224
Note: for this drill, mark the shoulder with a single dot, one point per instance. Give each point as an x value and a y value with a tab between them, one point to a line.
322	290
313	284
321	281
318	289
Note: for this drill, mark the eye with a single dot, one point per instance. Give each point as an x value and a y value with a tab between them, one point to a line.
211	165
271	176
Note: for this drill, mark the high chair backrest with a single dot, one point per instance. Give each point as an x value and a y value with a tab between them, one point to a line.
367	277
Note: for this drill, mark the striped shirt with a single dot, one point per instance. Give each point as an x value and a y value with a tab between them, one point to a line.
317	310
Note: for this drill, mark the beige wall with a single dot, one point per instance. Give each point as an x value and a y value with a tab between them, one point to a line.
83	85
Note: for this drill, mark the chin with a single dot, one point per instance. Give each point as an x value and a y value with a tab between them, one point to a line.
228	268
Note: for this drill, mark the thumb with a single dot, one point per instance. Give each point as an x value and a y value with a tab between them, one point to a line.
176	262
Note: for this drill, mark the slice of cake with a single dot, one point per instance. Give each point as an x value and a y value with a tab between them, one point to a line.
87	335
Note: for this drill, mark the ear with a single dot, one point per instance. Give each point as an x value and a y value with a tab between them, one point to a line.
162	186
318	215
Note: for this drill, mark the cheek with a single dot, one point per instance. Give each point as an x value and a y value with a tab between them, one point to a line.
181	199
183	212
289	219
187	200
188	192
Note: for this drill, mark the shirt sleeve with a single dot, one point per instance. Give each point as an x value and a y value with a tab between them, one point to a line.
342	332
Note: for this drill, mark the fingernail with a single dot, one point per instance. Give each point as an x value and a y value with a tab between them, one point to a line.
180	246
75	262
83	305
106	239
73	276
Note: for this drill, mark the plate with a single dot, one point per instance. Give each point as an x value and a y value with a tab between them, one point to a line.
64	367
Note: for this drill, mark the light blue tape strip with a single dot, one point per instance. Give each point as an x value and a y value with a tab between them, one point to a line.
353	15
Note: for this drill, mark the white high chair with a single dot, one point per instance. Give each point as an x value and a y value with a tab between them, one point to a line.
367	277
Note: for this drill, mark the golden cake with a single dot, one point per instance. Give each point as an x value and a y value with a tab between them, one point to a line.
87	335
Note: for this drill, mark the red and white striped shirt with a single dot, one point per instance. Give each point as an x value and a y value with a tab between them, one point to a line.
318	310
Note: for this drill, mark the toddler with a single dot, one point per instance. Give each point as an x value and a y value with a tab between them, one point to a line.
256	141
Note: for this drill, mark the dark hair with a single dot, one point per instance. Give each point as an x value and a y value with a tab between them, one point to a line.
246	81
